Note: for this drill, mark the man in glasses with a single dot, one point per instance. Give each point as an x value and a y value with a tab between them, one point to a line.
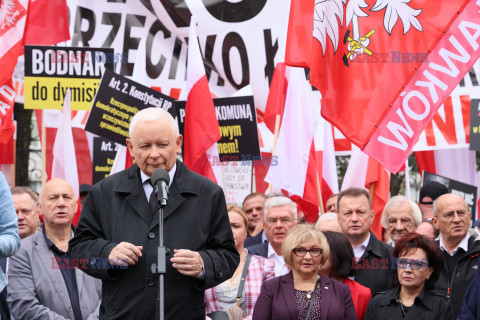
460	250
428	193
280	215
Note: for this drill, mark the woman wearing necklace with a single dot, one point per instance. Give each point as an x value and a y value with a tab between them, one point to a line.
303	293
419	262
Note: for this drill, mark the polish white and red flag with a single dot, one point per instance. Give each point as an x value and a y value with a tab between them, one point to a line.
201	129
385	67
13	15
64	160
327	165
365	172
294	168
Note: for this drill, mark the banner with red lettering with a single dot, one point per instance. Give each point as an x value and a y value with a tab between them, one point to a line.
419	100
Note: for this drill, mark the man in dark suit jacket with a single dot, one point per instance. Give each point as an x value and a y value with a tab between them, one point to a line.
374	258
118	228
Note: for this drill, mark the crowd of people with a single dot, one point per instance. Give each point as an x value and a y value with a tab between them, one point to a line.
260	260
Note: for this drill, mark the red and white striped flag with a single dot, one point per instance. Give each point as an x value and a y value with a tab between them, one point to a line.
64	161
295	170
201	125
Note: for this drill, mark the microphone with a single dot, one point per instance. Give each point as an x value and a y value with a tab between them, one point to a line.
160	180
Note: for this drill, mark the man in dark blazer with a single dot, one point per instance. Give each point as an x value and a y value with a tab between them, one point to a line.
118	231
374	258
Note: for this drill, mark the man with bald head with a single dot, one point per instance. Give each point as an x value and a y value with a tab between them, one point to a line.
460	250
43	283
118	230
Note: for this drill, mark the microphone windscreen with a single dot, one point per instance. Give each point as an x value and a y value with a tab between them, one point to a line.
160	174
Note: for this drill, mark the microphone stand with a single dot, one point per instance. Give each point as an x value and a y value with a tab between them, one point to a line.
161	261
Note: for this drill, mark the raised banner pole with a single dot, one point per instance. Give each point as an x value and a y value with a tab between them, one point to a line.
277	130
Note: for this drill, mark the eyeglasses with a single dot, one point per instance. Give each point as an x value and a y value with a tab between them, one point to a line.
301	252
403	221
273	221
413	263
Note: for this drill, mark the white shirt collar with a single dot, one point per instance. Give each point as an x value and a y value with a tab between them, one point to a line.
280	267
463	244
360	250
171	174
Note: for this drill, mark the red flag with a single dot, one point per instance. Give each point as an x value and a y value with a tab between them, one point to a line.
47	22
201	125
389	67
276	97
7	100
298	51
378	181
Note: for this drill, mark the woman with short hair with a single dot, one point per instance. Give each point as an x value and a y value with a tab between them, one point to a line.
419	262
303	293
339	267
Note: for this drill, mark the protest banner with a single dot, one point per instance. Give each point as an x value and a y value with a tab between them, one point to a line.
49	71
104	152
237	182
466	191
118	99
238	127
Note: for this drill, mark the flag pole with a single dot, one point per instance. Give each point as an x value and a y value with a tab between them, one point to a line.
319	192
44	149
275	139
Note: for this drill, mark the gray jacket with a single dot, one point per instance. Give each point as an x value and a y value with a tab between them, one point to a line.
36	289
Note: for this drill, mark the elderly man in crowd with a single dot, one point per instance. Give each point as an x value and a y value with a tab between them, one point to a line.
25	201
328	222
355	216
460	250
43	283
118	227
400	216
428	193
280	215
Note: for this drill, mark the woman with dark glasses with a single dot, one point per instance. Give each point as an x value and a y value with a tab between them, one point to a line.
303	293
419	262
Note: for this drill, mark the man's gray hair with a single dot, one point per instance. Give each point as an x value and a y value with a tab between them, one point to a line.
398	201
150	114
326	216
278	201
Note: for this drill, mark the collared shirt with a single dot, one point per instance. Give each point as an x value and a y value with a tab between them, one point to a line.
360	250
147	187
264	237
68	276
280	267
463	244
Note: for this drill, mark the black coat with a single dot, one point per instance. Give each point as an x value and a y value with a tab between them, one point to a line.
461	277
374	269
427	306
195	218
